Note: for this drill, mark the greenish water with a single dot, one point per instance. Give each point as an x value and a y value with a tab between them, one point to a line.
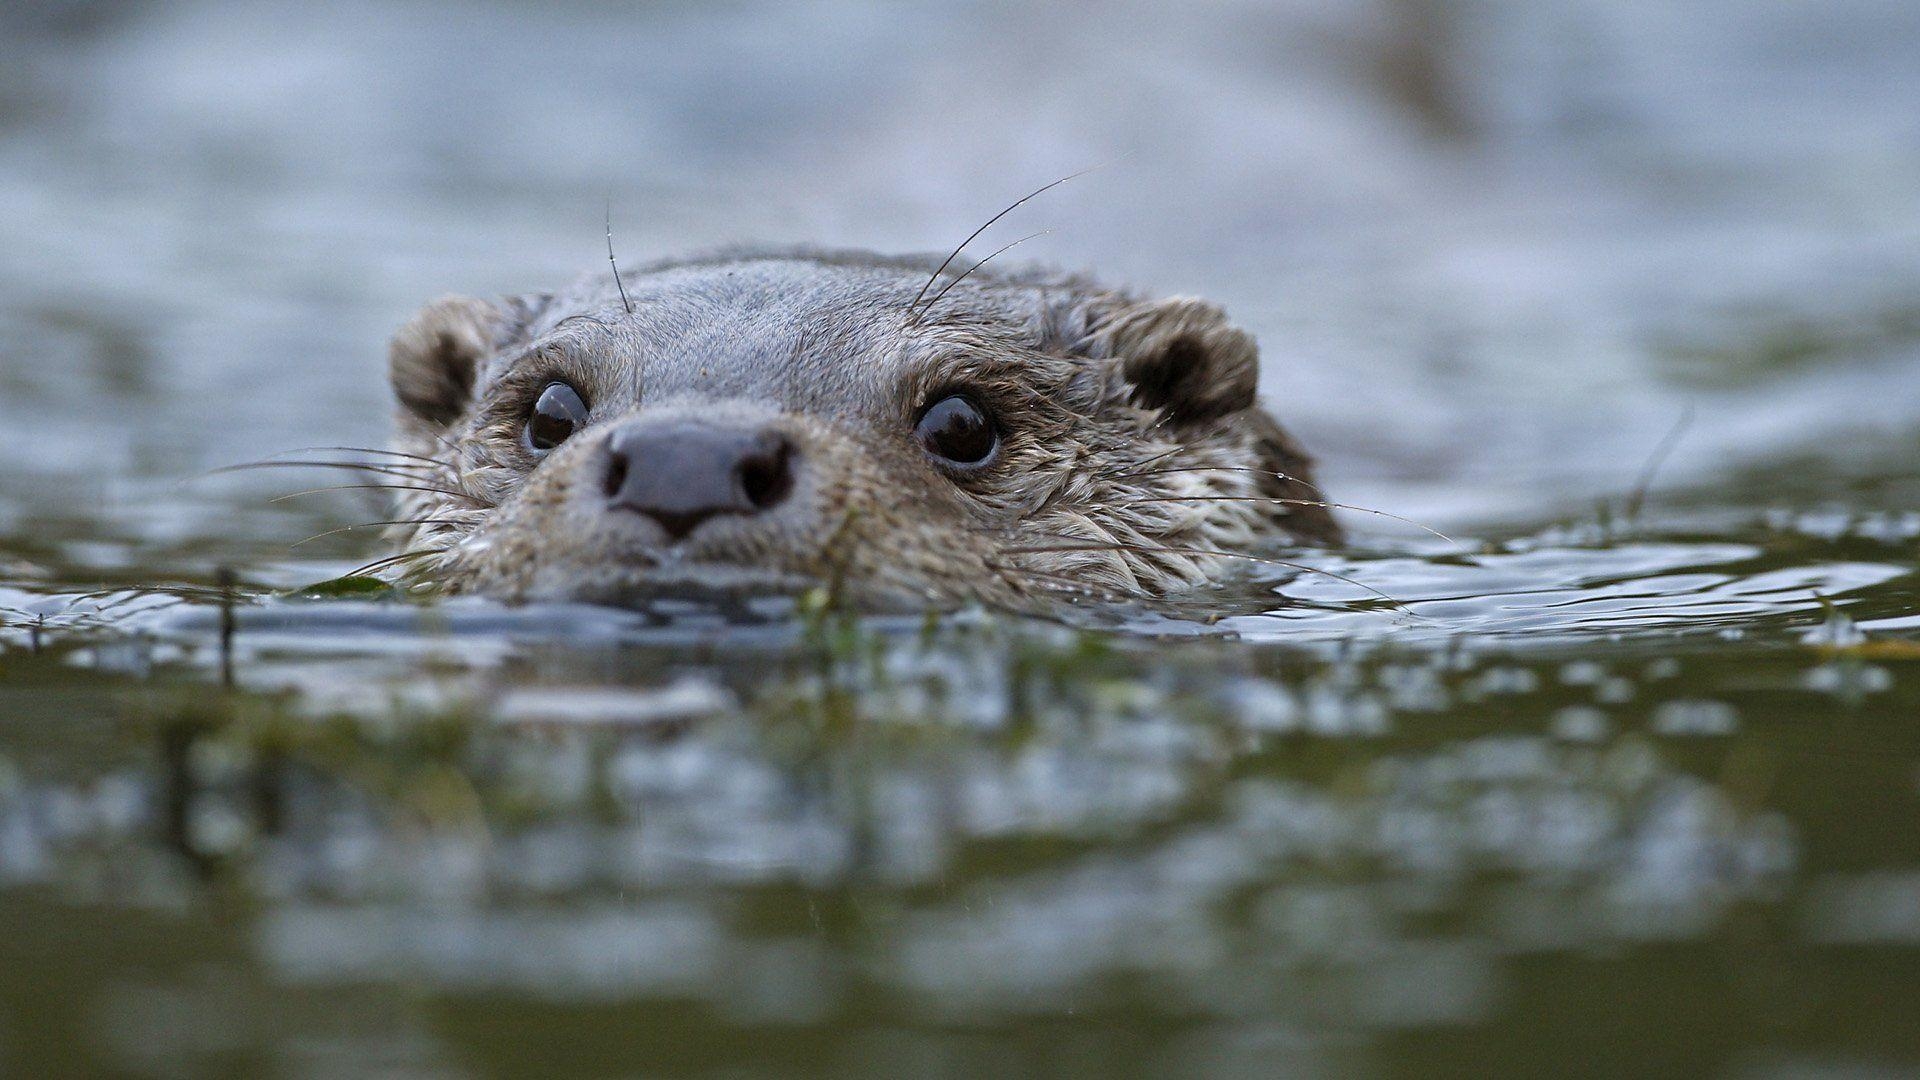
1623	780
1670	834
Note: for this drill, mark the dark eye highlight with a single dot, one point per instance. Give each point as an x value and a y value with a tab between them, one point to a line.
957	431
558	413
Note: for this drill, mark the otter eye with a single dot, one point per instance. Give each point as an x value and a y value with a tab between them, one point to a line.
955	430
555	416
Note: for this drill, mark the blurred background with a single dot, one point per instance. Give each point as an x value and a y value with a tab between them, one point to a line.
1493	249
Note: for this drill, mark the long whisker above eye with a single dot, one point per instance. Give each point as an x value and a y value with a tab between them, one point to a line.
583	317
468	496
625	304
1156	549
915	319
1288	502
955	253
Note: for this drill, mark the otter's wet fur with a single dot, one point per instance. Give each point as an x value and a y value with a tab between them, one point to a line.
1133	459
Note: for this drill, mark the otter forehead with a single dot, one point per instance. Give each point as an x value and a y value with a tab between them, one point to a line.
796	332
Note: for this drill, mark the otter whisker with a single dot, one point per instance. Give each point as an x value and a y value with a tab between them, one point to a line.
126	596
1162	456
374	524
1062	591
955	253
1136	474
164	600
621	285
355	450
1041	576
1054	493
387	487
583	317
120	595
1287	502
179	593
1155	549
453	447
357	466
381	564
915	319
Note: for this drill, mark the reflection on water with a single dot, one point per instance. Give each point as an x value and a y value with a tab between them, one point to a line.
1618	785
890	836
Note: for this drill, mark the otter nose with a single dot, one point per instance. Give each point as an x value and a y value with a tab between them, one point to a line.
682	474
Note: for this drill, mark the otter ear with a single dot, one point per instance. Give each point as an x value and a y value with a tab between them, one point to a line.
1182	357
435	359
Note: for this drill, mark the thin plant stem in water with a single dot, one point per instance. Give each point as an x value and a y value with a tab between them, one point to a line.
224	577
1636	499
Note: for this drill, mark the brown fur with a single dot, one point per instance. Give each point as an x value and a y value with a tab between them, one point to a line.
1134	459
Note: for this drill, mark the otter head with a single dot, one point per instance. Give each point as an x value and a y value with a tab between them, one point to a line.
772	422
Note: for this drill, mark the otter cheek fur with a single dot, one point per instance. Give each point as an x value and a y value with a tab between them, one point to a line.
766	422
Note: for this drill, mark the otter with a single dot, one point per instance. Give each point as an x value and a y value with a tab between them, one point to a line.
898	431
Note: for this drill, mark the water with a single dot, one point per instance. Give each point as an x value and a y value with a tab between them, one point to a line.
1607	783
